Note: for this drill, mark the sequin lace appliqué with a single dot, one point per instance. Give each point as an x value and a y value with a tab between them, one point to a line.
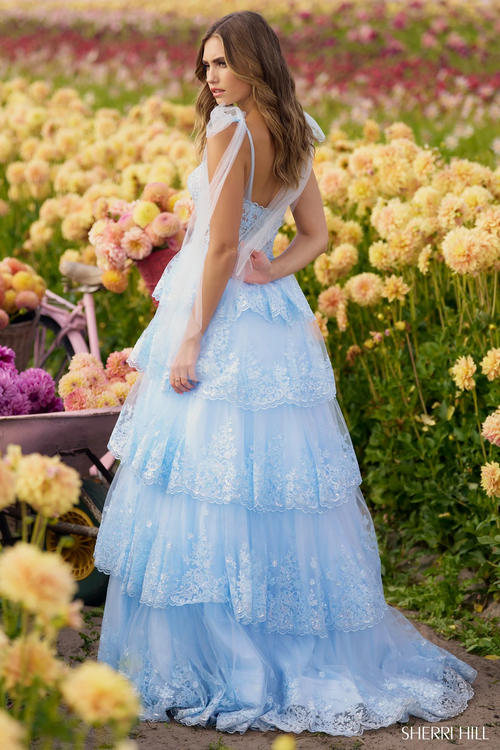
269	582
264	476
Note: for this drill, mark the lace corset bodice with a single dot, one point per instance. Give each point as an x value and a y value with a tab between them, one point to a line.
251	211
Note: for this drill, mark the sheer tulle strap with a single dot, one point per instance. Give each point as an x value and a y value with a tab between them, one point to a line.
317	132
249	190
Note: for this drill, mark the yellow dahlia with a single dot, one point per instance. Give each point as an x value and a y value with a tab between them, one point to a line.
7	485
365	289
388	216
115	281
281	242
73	379
477	198
395	288
184	209
371	131
11	732
490	479
489	220
399	130
490	364
131	377
380	256
99	695
426	201
333	185
106	399
343	259
424	165
39	581
47	484
424	258
453	212
37	171
361	161
40	234
30	660
334	223
284	742
463	250
121	390
402	246
362	191
462	373
323	270
350	232
341	316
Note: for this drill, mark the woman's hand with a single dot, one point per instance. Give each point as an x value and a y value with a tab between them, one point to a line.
261	269
183	371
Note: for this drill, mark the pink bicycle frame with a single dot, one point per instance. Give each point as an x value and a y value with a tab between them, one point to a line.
73	320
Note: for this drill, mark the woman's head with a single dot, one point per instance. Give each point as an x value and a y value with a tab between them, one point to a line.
240	57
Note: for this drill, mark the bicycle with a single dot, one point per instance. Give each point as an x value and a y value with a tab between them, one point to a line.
62	327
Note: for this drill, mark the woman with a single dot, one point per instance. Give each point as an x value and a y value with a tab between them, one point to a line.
245	584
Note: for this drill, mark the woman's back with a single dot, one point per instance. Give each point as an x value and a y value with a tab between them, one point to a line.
265	185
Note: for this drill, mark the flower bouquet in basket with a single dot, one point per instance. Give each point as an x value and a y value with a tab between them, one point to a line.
21	291
147	232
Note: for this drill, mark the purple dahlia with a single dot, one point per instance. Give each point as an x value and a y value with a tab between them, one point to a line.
9	388
7	357
19	404
55	405
39	387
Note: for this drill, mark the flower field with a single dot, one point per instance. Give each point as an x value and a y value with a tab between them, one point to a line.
96	109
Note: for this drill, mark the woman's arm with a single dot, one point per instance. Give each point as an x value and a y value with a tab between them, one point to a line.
224	225
310	241
221	255
312	233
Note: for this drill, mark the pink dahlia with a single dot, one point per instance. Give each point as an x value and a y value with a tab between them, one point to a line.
96	377
330	299
116	364
136	243
84	359
166	224
110	256
80	398
156	240
491	428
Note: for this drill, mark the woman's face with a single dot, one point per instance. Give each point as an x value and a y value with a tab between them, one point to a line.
226	88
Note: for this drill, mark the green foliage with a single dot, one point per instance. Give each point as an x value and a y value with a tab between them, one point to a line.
221	745
418	437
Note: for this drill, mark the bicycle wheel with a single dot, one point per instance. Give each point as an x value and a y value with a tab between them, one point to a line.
92	584
58	360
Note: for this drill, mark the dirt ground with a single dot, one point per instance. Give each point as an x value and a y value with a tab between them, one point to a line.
480	719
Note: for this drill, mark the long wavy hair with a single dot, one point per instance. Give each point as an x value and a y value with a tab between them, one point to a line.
253	53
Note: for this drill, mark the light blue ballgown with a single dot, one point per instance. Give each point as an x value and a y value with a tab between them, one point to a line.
245	587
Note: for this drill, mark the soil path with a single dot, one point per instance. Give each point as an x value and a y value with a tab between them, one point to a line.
481	718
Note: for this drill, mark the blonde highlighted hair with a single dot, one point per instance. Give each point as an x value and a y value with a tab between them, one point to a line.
253	53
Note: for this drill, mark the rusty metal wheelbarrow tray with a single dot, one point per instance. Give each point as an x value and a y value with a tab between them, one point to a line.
60	432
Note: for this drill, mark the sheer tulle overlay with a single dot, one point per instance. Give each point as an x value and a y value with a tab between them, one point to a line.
245	586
